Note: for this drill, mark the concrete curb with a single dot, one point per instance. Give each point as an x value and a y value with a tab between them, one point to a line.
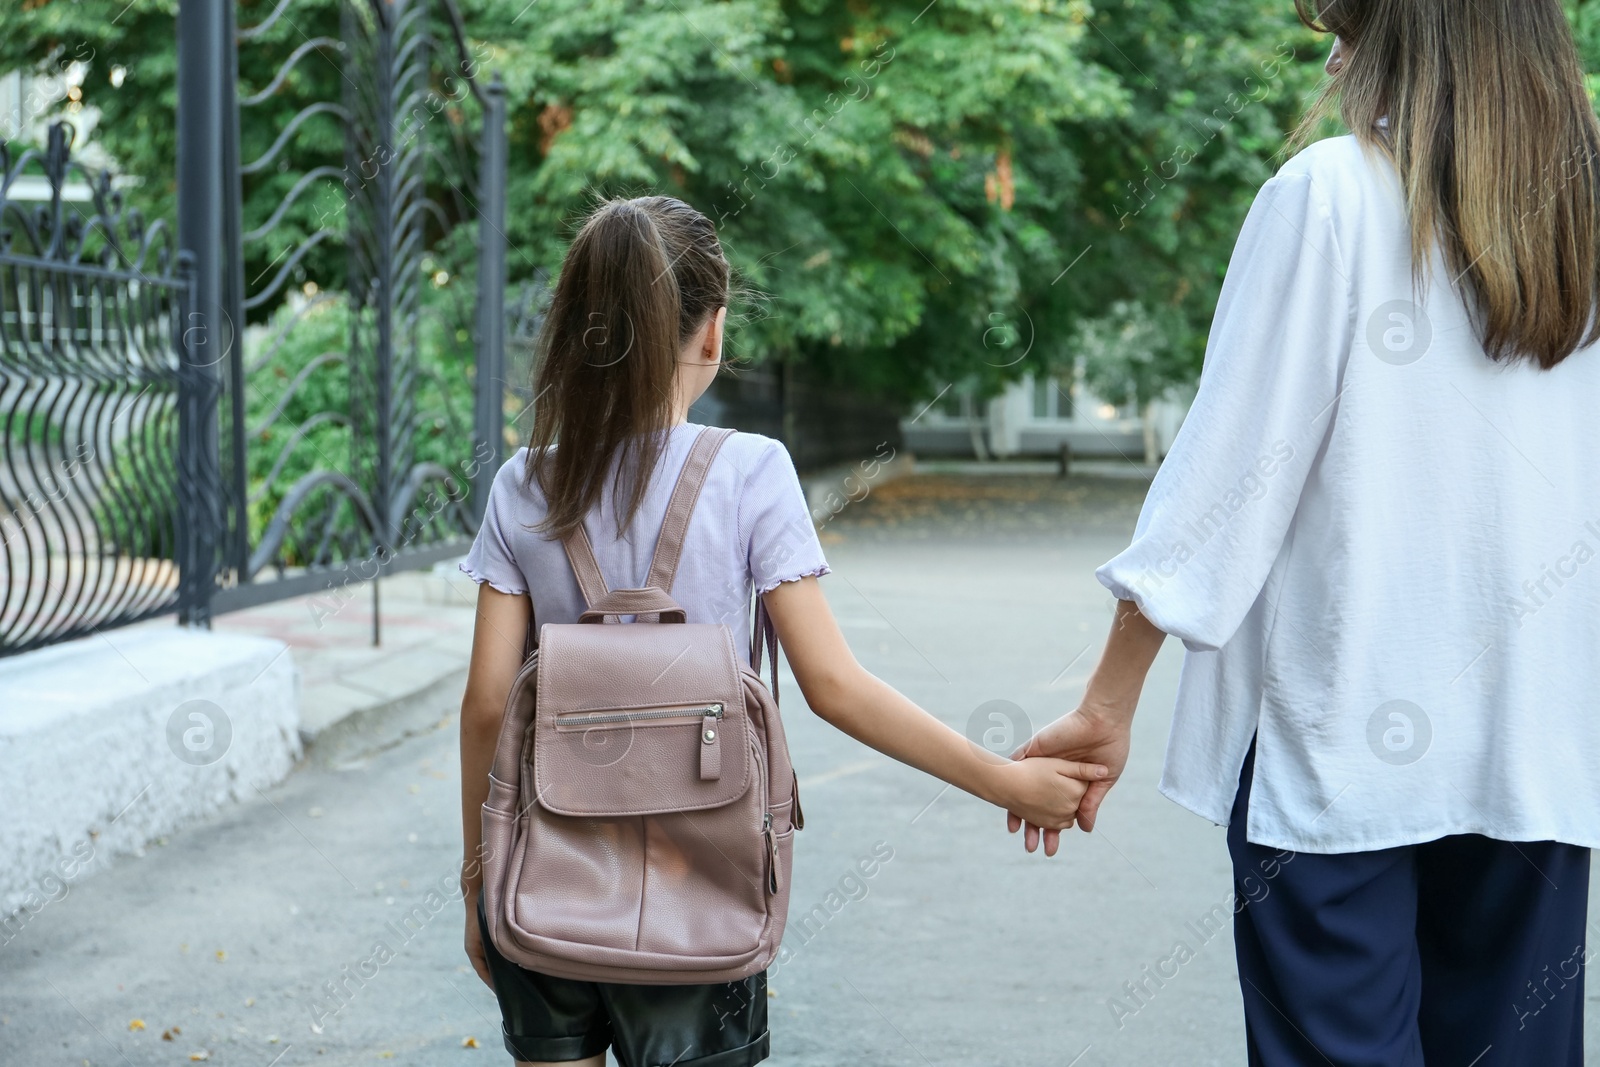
113	740
380	726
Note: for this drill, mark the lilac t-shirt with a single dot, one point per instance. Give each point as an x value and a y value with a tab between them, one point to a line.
751	530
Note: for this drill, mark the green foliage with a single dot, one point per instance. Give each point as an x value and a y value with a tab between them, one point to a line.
1128	355
137	118
35	427
1215	88
299	430
907	185
1585	19
917	193
130	50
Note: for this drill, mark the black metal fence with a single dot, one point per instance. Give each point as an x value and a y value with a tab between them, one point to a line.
821	424
94	400
191	432
385	478
315	391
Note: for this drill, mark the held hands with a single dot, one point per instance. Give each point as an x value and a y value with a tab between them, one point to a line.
1096	736
1044	791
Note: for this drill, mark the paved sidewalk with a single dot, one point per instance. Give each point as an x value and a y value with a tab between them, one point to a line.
311	926
425	638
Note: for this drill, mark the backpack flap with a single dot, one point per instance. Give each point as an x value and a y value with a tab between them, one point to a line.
639	719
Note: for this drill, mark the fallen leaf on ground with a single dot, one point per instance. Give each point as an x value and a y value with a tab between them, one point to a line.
470	1042
136	1024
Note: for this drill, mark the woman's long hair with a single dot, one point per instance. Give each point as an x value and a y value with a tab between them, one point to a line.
1496	144
638	281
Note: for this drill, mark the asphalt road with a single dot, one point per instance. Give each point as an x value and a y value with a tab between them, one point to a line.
960	949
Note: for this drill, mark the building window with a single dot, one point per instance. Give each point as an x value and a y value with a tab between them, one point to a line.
1052	398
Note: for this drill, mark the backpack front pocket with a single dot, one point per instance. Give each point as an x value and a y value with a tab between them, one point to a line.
599	750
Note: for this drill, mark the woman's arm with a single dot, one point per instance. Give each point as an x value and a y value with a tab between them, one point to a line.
497	641
844	694
1099	729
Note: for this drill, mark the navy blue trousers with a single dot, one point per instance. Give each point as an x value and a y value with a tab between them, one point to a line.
1462	952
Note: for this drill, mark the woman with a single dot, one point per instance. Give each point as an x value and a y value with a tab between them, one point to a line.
1376	537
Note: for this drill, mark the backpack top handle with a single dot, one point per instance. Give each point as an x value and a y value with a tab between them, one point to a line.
654	602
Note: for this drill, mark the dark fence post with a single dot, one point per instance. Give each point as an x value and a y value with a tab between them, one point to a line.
489	415
235	519
202	336
386	234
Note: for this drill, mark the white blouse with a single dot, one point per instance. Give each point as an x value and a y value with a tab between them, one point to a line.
1378	546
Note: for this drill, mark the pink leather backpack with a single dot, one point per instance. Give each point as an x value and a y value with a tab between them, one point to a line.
642	806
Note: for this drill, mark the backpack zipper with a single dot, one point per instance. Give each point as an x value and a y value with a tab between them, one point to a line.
772	852
600	718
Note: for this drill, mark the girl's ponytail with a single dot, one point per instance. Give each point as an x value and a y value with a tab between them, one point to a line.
639	279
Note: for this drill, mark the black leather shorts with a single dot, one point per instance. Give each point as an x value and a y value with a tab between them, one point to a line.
557	1020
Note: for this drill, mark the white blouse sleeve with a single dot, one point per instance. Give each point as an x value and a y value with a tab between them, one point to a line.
1220	506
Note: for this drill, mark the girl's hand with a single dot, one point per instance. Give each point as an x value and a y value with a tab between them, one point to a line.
1087	734
1045	791
480	962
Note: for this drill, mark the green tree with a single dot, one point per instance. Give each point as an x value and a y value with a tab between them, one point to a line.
915	193
918	193
1214	88
1129	358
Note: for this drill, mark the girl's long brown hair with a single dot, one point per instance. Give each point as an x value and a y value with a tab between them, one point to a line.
639	280
1496	144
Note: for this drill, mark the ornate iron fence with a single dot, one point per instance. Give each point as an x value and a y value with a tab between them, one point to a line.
392	472
95	402
312	392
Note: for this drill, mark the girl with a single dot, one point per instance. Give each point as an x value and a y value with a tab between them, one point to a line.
1374	535
633	337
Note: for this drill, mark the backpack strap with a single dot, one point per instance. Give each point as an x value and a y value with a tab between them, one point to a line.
669	545
680	508
580	553
530	640
765	634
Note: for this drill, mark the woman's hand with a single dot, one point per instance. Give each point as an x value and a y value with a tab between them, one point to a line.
1098	731
1088	735
1045	791
475	953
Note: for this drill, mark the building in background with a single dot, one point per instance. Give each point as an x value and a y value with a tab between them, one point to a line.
1034	417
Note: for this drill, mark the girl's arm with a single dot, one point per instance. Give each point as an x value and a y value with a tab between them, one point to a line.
497	640
843	693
